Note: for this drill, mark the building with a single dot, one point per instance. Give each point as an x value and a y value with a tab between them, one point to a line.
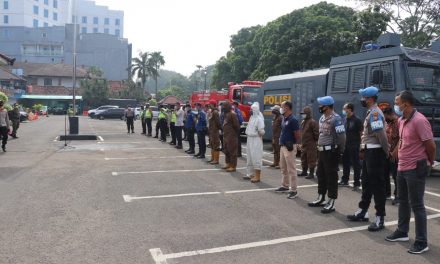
47	13
54	45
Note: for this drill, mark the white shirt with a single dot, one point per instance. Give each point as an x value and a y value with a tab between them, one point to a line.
179	117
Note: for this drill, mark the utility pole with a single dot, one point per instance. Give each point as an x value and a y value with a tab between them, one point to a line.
74	56
197	77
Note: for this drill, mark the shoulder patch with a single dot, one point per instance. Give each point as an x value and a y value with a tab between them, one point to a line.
376	121
339	125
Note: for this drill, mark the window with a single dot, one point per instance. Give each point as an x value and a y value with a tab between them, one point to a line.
45	24
35	10
117	32
340	80
47	81
5	33
117	21
95	30
5	5
84	20
236	95
106	31
46	13
5	19
46	2
95	20
107	21
55	16
55	3
387	73
358	78
84	30
35	23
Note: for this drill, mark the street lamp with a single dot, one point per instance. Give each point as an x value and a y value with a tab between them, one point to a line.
197	77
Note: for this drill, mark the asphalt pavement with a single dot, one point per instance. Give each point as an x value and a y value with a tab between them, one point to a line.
127	198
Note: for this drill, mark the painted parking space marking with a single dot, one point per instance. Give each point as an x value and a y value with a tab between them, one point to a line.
167	171
161	258
150	157
129	198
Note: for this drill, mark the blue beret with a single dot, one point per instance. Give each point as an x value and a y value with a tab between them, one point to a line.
326	100
369	91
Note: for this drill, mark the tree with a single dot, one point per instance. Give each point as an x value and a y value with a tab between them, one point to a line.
3	97
156	61
141	67
95	92
176	91
418	21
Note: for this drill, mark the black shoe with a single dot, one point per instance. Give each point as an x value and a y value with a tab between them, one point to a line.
201	157
311	176
356	188
196	155
377	225
132	132
156	137
342	183
239	156
329	206
143	133
191	152
4	148
292	195
418	247
359	215
172	143
303	173
318	202
179	147
282	189
395	201
397	236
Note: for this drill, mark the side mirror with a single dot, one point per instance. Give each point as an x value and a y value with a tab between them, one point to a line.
377	77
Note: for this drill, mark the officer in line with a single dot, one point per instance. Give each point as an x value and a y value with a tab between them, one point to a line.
173	119
144	124
149	119
374	153
190	127
129	119
201	130
240	121
214	126
179	125
331	144
162	123
277	119
309	139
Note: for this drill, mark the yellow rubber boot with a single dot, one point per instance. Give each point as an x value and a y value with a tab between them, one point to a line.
257	176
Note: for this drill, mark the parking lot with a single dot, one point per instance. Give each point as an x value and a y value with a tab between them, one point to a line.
128	198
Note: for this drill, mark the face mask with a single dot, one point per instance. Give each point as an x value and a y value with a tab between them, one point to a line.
344	113
397	110
321	109
251	113
303	116
363	103
282	111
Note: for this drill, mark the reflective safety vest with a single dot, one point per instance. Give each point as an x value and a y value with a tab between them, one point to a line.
173	117
148	115
162	115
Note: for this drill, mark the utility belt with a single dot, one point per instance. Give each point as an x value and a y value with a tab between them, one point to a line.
327	147
370	146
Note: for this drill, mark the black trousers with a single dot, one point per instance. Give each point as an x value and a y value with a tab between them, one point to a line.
178	132
239	145
201	141
150	127
190	136
15	126
221	142
351	158
390	170
157	127
4	134
130	124
173	132
144	126
373	180
328	173
163	129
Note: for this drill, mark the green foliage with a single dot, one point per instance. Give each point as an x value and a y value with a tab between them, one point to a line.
141	67
8	107
304	39
95	72
95	92
3	98
418	21
156	60
152	102
177	91
37	107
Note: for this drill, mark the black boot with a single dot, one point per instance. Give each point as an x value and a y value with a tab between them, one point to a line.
303	173
377	225
4	148
329	206
359	215
311	174
318	202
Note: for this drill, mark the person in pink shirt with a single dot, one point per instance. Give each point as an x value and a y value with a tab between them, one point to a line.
416	154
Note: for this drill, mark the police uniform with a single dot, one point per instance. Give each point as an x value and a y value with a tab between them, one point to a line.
173	120
148	120
190	127
375	149
331	143
162	122
201	130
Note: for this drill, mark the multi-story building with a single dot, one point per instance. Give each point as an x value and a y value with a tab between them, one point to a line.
92	18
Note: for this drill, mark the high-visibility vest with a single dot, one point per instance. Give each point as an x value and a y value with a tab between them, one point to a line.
173	117
148	115
162	115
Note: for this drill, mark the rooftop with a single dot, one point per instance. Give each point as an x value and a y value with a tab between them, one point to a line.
49	70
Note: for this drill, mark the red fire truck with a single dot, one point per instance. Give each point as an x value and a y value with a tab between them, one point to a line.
245	93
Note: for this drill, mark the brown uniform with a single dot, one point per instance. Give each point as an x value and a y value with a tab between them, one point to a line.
213	128
231	128
276	133
309	140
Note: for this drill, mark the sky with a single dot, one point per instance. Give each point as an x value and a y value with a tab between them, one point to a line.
196	32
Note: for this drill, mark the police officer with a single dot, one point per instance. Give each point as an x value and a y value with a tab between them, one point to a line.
201	130
149	119
190	127
240	121
331	143
14	117
144	124
309	139
173	119
162	123
129	119
277	119
374	153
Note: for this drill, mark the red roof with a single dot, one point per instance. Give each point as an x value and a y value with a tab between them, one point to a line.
170	100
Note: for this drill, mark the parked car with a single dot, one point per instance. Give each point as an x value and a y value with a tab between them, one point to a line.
23	116
155	111
137	112
111	113
93	112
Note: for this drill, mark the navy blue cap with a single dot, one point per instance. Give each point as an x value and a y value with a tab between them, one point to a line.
326	100
369	91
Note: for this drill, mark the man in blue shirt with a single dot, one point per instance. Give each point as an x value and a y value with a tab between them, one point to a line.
240	121
190	127
290	136
201	129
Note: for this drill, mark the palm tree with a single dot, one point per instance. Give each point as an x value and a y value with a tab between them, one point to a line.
141	67
156	60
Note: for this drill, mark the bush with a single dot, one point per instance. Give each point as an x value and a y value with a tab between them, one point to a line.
3	97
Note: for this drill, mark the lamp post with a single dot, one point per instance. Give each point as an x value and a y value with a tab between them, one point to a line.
197	77
74	55
205	71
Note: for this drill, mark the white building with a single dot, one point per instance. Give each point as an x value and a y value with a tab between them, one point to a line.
92	18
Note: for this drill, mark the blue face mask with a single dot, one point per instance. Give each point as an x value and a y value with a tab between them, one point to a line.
344	113
397	110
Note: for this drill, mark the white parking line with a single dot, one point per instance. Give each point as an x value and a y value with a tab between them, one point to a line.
166	171
432	193
151	157
161	258
129	198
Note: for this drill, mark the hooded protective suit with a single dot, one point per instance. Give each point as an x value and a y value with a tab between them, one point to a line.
254	145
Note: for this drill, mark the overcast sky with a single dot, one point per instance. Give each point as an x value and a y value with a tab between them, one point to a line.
196	32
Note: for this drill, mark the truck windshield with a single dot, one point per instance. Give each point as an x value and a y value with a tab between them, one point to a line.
250	95
424	81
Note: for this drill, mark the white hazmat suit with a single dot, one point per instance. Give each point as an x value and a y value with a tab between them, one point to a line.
254	145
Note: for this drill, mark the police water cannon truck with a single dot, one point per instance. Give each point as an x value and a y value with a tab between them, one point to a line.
385	64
